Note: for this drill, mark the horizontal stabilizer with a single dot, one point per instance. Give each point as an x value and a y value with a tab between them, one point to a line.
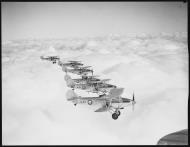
94	76
99	81
67	77
92	82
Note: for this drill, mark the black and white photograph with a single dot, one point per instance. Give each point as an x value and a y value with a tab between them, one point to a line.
94	73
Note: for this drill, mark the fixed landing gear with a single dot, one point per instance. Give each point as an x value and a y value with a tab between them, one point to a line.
90	102
116	114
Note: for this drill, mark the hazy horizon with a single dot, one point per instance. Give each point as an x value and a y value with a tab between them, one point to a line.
21	20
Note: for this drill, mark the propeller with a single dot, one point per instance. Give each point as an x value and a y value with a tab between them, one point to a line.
133	102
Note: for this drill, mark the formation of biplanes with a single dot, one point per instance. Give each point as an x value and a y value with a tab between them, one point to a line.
109	96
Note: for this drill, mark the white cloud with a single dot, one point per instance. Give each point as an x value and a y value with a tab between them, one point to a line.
35	110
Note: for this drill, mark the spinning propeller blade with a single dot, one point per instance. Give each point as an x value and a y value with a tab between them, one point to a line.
133	102
133	107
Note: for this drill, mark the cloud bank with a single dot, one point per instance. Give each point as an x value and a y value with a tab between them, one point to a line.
35	110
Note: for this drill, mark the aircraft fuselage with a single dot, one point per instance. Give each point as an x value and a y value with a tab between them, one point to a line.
95	100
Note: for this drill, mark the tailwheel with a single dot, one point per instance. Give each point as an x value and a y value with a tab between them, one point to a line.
114	116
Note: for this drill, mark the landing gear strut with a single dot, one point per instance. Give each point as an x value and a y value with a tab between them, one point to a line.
118	113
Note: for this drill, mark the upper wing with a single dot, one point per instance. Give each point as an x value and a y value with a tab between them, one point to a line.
101	81
74	61
84	67
105	80
94	82
77	80
93	76
115	92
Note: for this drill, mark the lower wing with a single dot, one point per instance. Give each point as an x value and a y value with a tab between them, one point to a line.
104	108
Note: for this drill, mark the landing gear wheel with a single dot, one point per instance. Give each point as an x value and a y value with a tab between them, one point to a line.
118	113
114	116
90	102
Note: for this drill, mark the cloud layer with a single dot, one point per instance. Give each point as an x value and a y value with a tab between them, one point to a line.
35	110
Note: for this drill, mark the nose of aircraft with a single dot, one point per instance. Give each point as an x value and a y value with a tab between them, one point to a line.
125	100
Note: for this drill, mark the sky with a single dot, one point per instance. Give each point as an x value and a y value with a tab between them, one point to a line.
21	20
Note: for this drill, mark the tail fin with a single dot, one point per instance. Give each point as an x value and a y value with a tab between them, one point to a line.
67	77
71	95
64	68
69	81
60	63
